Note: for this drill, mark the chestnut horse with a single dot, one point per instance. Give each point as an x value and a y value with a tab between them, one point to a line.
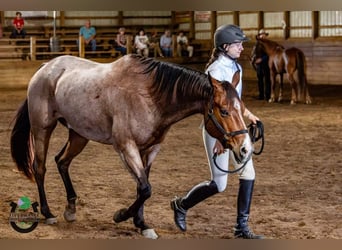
131	104
291	61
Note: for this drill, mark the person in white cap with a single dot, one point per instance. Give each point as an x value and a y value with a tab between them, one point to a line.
263	71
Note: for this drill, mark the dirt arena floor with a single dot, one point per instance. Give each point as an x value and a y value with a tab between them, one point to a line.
298	189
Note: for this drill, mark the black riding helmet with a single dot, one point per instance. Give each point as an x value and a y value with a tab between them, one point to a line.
227	34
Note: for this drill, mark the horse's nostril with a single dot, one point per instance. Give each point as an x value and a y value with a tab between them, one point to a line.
244	150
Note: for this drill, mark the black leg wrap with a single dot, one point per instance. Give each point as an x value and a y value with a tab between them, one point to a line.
241	229
197	194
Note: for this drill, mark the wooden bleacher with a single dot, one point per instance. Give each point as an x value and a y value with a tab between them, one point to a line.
37	44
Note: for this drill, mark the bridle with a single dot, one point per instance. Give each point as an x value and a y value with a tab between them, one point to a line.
225	134
256	132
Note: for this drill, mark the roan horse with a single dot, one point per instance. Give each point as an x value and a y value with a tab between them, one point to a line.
291	61
131	104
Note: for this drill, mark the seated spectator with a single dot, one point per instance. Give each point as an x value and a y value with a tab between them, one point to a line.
121	41
154	44
183	46
88	32
18	26
166	43
141	43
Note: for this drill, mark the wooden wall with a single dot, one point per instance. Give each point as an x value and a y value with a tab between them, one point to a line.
317	33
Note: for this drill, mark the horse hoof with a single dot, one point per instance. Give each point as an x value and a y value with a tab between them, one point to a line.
149	233
120	215
69	216
51	221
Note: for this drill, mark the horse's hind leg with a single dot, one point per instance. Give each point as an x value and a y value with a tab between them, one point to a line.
72	148
294	88
41	139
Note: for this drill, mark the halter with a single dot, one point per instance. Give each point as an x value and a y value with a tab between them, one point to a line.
226	135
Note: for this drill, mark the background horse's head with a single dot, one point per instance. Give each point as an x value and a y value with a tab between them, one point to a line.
268	46
225	119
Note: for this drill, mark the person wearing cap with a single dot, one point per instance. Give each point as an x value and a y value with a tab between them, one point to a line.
263	71
222	66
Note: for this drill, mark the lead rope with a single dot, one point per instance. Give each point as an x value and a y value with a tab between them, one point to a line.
256	132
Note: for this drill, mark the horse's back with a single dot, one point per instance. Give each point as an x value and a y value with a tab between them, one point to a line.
97	92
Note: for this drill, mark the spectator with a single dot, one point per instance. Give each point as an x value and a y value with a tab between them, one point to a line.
18	26
183	46
154	44
121	41
166	43
141	43
88	32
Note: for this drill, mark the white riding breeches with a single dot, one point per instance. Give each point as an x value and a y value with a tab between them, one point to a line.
222	160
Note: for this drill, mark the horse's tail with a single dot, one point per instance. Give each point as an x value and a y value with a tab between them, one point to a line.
301	69
21	141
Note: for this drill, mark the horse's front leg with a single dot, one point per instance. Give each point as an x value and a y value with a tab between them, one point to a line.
273	83
281	86
147	157
132	159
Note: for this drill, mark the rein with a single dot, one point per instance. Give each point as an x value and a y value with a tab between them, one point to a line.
256	132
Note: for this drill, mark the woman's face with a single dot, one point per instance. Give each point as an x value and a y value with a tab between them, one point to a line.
234	49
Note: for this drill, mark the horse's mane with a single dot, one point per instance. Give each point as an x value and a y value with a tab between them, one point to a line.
271	43
172	81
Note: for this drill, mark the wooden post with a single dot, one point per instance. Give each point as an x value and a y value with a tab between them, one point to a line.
33	48
174	45
287	23
81	47
213	21
129	44
315	24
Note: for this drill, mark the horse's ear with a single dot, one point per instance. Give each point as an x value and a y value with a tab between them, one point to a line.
215	83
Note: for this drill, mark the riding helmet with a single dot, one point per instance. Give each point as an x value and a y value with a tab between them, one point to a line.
227	34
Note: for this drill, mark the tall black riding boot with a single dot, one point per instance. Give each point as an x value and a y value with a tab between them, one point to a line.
197	194
244	200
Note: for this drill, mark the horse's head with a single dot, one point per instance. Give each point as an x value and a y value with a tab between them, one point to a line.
225	119
268	46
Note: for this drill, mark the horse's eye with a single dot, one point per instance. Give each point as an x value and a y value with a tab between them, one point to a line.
224	112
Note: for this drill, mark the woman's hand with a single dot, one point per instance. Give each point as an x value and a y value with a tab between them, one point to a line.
250	116
218	148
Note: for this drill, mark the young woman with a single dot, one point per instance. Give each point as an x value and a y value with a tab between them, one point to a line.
222	66
141	43
121	41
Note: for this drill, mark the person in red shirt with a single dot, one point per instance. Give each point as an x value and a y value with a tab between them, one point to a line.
18	26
